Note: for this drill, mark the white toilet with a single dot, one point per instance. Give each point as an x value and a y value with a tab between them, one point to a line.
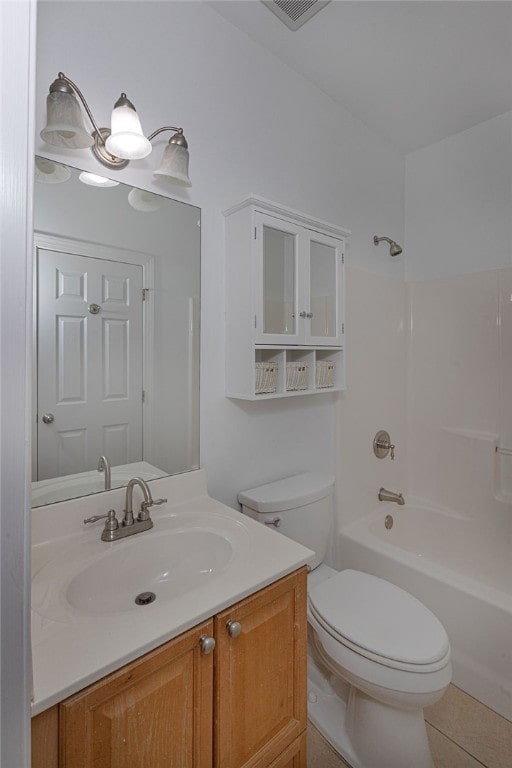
376	655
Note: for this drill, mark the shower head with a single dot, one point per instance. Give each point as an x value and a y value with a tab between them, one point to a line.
394	248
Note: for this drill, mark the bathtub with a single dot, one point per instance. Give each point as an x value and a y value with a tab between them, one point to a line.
462	572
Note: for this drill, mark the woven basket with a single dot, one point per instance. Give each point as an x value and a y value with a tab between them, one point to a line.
296	376
325	373
265	378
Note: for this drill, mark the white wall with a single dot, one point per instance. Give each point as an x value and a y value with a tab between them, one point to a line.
458	203
459	268
253	126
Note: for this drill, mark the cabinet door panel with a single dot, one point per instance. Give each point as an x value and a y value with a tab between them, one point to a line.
276	276
155	712
325	290
293	756
260	676
45	739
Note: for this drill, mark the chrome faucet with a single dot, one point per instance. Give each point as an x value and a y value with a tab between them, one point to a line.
129	525
385	495
143	516
104	466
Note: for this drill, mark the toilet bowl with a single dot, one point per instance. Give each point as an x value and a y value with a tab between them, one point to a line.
395	657
376	655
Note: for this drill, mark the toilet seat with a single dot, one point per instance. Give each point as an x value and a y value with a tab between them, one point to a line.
380	621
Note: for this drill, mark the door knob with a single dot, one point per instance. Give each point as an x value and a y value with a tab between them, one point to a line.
207	644
48	418
234	628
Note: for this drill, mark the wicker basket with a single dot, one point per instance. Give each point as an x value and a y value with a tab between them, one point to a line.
296	376
325	373
265	378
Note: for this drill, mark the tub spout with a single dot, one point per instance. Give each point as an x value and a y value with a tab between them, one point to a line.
385	495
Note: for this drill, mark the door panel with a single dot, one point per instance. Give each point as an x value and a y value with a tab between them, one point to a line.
325	290
89	362
268	659
153	713
277	256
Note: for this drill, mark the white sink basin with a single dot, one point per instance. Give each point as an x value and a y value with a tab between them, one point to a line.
167	565
80	577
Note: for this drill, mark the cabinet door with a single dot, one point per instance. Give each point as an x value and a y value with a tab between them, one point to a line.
293	756
260	676
153	713
324	281
276	276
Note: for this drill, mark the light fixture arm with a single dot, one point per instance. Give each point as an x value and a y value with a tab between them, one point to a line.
178	138
56	86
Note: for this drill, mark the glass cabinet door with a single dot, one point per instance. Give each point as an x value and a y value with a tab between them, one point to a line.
278	317
324	287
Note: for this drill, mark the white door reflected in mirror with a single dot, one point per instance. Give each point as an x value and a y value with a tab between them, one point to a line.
117	357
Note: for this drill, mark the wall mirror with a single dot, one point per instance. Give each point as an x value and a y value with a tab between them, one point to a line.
116	352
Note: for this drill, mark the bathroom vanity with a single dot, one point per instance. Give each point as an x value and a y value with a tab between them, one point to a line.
213	673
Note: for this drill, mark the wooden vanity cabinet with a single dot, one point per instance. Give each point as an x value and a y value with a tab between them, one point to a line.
242	706
156	711
260	676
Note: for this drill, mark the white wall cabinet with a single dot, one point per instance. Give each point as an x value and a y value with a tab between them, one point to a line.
284	302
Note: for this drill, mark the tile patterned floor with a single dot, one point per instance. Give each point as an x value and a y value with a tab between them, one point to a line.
463	733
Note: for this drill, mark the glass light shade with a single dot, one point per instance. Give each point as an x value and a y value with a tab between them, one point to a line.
175	165
93	180
145	201
64	122
48	172
126	139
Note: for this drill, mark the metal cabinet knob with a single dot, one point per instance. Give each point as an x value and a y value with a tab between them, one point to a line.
48	418
234	628
207	644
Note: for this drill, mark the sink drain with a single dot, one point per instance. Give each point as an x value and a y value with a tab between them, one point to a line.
145	598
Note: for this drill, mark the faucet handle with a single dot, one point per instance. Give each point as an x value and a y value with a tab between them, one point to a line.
152	503
144	507
111	523
382	445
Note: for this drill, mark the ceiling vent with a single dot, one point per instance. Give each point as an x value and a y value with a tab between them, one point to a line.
295	13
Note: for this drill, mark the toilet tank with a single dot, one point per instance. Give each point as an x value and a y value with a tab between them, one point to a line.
300	507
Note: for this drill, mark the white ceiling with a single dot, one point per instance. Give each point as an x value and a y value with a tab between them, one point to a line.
415	71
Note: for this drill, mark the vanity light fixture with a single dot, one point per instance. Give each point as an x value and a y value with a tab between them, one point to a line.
113	147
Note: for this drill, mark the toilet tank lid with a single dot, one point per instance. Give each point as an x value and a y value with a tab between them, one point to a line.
290	492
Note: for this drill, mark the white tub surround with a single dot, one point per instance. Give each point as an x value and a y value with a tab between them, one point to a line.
459	569
77	640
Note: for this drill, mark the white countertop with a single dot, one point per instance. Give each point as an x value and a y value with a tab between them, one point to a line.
73	648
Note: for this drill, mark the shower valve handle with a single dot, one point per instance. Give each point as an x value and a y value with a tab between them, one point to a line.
382	445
